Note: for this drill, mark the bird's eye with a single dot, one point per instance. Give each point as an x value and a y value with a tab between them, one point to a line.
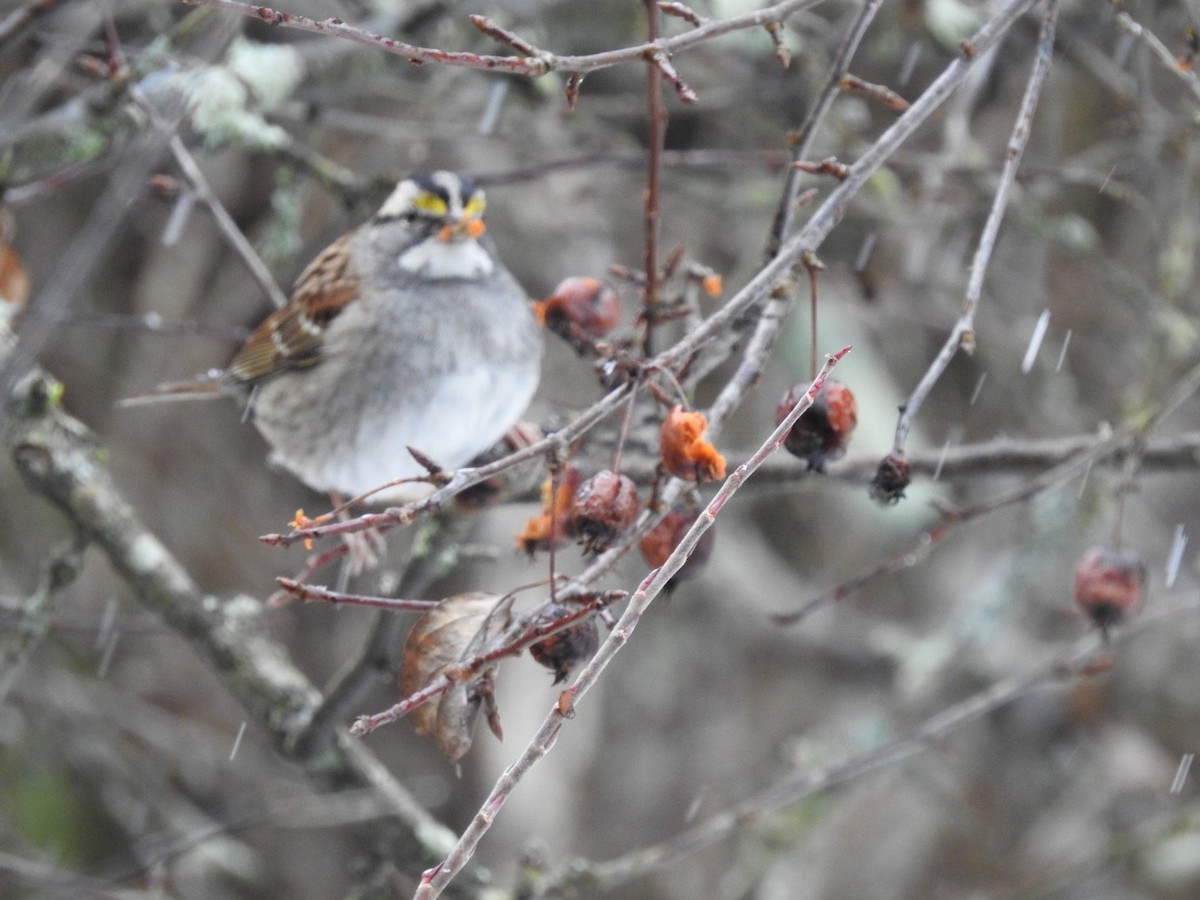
431	204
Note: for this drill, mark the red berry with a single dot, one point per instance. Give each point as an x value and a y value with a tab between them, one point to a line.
606	506
579	307
1109	585
823	432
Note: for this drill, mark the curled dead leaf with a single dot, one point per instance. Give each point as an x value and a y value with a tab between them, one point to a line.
440	642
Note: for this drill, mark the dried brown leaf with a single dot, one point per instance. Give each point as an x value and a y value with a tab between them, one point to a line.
456	630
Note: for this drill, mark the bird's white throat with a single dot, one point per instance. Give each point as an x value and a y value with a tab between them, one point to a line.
433	258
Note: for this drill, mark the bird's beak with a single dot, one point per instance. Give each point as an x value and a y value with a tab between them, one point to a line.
469	227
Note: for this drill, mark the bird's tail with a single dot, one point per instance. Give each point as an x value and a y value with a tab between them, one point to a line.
202	387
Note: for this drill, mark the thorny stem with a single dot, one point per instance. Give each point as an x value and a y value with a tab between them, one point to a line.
962	335
436	879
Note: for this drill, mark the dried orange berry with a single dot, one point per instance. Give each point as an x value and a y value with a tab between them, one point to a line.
683	450
554	523
300	520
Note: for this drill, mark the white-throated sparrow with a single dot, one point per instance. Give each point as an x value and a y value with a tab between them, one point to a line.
405	332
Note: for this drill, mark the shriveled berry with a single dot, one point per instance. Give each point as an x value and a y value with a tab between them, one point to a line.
661	541
1109	585
891	478
581	307
606	506
562	651
822	434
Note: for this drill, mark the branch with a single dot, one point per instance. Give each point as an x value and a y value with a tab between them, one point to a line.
435	880
536	62
59	459
1067	665
808	239
962	335
1190	79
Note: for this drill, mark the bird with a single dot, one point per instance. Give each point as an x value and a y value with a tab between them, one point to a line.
406	332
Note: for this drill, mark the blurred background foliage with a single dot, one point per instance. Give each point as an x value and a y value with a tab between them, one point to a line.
114	751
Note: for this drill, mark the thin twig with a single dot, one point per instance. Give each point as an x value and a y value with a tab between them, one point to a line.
258	269
824	219
802	139
436	879
656	124
1068	664
310	592
459	480
538	62
527	630
1189	76
959	516
962	335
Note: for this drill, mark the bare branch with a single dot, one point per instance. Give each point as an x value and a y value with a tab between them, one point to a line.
1073	663
57	457
962	335
434	881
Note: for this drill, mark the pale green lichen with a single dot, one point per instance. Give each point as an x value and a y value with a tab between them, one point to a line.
227	102
271	71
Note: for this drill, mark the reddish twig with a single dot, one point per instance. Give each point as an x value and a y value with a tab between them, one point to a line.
492	29
364	725
883	94
682	11
529	630
323	594
1079	660
459	480
434	881
662	62
536	63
